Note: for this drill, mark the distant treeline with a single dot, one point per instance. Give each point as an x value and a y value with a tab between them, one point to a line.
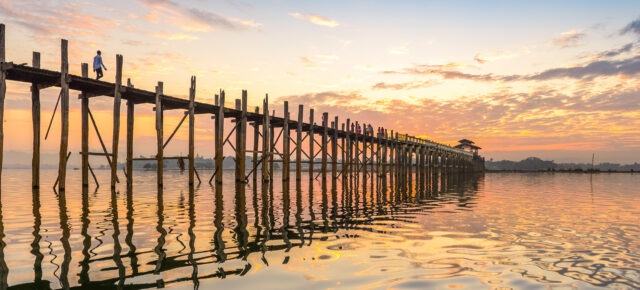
537	164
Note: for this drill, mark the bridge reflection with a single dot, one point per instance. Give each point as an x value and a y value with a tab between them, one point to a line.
281	222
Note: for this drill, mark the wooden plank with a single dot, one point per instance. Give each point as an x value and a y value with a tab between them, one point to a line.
241	139
159	133
285	144
3	91
84	112
64	115
192	121
219	141
35	118
130	126
311	144
117	95
299	142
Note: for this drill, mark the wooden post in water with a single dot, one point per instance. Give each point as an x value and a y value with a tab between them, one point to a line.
334	150
311	144
64	115
35	117
256	135
3	91
356	152
159	132
344	152
299	143
84	111
272	145
348	148
219	139
241	139
192	123
325	120
116	120
372	143
285	144
130	124
364	150
265	140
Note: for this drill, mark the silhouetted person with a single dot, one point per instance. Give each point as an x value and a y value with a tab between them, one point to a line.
98	65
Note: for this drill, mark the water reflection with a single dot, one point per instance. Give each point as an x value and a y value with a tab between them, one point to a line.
439	230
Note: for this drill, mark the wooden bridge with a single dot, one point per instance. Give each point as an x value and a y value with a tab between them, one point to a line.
385	153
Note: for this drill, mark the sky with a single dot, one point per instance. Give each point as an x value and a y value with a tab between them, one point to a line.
558	80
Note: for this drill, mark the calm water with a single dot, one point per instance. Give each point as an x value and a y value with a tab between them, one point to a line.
498	230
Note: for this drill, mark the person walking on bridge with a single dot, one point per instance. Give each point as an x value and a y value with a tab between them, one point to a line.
98	65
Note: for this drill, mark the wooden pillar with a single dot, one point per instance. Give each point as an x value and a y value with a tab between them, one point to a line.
256	135
265	140
364	150
356	153
219	139
349	149
299	143
192	123
3	91
130	124
241	140
35	117
159	132
285	144
344	152
64	116
311	144
116	120
325	120
372	143
84	111
334	150
272	145
385	146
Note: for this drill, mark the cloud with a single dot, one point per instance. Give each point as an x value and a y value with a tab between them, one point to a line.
315	19
628	67
588	71
217	21
613	52
402	49
496	55
192	19
633	27
568	38
174	36
405	86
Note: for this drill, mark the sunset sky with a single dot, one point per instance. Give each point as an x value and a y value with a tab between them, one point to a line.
555	79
